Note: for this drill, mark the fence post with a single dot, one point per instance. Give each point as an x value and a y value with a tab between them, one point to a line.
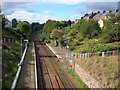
75	55
103	53
82	56
88	55
85	55
113	53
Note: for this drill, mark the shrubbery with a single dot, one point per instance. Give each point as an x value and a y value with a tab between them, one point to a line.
74	35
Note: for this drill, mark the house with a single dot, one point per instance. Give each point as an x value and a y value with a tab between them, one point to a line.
89	16
72	22
116	12
102	16
8	23
99	16
101	23
77	20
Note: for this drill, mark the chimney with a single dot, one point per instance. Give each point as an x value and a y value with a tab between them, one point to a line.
98	12
92	13
110	11
86	14
103	11
116	10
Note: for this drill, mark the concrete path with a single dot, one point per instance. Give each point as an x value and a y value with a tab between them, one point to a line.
27	76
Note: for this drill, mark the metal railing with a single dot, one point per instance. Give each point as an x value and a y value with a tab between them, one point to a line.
19	69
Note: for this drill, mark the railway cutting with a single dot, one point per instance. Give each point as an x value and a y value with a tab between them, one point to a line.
49	72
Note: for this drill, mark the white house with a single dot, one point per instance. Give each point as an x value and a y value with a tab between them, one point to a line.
101	23
8	23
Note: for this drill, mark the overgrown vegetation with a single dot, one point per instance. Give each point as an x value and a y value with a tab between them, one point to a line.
11	51
83	36
10	59
77	79
105	70
87	36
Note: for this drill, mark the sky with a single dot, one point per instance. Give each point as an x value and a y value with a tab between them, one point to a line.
55	10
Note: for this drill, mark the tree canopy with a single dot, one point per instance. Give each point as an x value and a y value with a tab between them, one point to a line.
23	27
14	23
111	31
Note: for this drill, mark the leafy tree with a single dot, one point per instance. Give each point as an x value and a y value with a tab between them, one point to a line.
56	35
63	24
69	23
36	26
111	32
14	23
89	29
23	27
26	22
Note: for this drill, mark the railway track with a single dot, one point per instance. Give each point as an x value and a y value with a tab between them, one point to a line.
49	73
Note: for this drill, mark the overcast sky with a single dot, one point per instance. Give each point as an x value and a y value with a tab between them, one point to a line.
55	10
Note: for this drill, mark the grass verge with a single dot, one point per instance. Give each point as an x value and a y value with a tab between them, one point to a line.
77	79
26	70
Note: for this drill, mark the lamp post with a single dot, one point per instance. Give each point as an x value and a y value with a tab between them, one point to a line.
21	46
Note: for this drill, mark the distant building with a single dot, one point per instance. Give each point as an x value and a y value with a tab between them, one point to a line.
72	22
100	16
8	23
89	16
77	20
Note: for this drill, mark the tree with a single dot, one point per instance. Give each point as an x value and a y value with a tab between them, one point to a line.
111	32
56	35
89	29
69	23
36	26
23	27
14	23
48	28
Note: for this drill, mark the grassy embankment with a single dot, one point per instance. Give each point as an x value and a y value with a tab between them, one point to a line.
11	56
103	69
